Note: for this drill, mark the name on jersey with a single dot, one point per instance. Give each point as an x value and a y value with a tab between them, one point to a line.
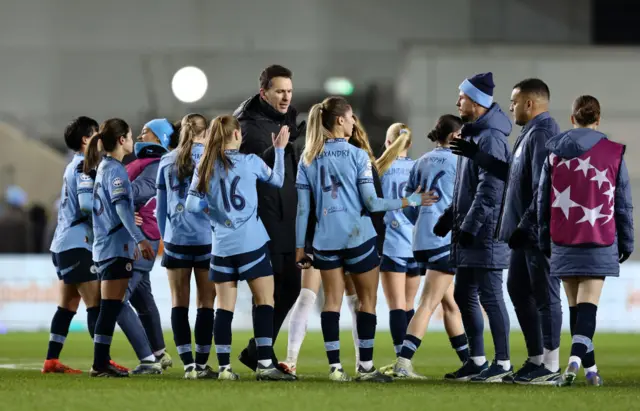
335	154
437	160
393	171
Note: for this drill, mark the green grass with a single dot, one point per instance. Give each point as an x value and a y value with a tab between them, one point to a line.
24	388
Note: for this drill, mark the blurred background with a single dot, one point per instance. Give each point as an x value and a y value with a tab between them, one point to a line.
396	60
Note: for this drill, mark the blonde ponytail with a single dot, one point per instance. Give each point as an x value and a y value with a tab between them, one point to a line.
360	139
400	137
316	134
191	126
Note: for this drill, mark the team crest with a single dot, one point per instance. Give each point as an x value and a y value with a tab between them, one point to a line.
395	224
180	208
325	212
128	267
93	269
227	223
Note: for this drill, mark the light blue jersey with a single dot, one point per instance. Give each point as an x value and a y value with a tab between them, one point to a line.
232	201
112	186
177	226
399	230
74	219
434	171
341	181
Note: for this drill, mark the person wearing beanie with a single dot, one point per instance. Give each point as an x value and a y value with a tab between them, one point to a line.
472	218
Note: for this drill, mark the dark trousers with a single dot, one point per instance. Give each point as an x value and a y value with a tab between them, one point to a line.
536	298
140	296
486	284
287	282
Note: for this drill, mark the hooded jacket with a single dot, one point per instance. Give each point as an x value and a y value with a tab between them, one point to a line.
277	207
477	196
584	259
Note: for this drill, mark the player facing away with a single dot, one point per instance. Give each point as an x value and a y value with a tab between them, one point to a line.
71	247
117	241
435	170
400	273
187	248
225	185
339	176
585	218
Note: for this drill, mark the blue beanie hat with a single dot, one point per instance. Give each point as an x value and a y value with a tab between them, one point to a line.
162	129
479	88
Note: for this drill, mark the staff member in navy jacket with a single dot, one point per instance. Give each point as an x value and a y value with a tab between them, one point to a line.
585	214
472	218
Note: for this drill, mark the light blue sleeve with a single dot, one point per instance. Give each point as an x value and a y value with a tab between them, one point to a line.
125	212
84	189
196	201
367	190
304	205
161	201
264	173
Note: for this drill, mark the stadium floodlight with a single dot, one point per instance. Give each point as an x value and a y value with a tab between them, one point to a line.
189	84
341	86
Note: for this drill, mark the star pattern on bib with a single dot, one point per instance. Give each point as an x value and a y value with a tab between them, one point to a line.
563	198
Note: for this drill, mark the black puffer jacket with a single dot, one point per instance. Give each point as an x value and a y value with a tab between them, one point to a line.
277	207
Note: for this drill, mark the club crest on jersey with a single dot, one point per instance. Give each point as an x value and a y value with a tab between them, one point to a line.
128	267
395	224
179	208
227	223
325	212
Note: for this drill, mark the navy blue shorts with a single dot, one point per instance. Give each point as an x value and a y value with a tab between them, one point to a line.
401	265
241	267
186	256
118	268
74	266
355	260
436	259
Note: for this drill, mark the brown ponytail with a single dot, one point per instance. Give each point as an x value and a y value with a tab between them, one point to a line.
107	139
220	131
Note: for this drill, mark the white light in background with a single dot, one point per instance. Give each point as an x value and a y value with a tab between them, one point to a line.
189	84
341	86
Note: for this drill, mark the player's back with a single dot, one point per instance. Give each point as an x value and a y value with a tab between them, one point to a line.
74	227
399	230
111	238
183	227
334	176
434	171
233	205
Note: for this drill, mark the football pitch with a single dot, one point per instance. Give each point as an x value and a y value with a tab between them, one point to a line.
23	387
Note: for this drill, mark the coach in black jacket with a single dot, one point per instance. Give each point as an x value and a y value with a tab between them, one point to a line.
259	117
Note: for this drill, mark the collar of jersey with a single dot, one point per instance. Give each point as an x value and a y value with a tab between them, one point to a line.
231	151
81	155
336	140
403	158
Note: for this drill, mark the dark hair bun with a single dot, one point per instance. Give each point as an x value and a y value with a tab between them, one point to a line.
586	110
433	135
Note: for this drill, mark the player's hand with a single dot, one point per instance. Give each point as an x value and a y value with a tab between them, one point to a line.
281	140
146	249
519	239
429	198
465	239
415	199
137	218
302	259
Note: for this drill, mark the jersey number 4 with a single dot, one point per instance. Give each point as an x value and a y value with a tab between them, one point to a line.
335	183
237	201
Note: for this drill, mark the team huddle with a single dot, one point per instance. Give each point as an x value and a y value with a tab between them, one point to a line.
289	207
